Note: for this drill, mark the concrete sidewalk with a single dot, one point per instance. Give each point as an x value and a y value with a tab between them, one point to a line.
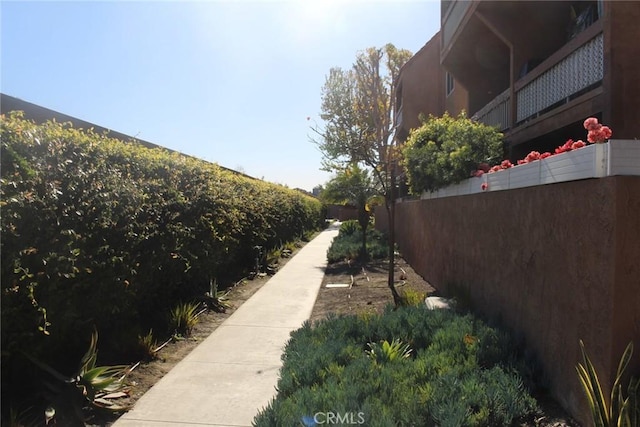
232	374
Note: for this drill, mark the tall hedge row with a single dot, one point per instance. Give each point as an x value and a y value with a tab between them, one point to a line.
101	233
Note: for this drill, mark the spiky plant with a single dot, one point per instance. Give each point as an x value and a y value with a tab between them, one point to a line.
619	411
184	318
386	351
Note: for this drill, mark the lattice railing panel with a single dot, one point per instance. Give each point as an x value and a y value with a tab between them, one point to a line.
579	70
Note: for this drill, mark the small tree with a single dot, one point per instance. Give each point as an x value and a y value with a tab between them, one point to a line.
446	150
357	106
354	186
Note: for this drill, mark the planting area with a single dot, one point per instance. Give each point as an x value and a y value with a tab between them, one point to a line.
358	358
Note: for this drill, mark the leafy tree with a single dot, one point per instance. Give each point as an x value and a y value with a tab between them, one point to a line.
356	108
354	186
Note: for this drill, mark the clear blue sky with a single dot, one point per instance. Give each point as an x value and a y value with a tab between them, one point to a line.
231	82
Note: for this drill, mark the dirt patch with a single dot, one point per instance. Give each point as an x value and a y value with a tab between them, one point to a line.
367	287
146	374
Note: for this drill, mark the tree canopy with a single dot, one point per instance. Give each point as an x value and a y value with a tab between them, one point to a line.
357	108
354	186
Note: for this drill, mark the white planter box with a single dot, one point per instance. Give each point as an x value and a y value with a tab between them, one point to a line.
524	175
586	162
475	184
616	157
498	180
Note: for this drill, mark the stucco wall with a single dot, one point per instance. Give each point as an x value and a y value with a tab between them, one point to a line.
555	263
342	213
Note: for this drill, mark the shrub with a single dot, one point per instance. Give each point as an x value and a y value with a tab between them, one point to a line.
347	245
183	318
412	297
435	367
446	150
99	232
147	345
350	227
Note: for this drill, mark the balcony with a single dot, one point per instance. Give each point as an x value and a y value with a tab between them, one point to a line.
556	81
570	74
496	112
452	19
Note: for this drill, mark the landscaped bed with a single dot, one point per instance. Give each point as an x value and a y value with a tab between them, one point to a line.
409	366
357	362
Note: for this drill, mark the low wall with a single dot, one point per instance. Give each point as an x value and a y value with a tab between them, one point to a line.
554	263
342	213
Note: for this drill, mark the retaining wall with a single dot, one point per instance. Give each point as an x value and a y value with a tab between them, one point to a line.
555	263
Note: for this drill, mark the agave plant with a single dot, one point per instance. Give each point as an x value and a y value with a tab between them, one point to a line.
385	351
91	385
620	411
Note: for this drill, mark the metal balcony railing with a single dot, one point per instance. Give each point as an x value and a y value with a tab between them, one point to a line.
496	112
577	71
563	76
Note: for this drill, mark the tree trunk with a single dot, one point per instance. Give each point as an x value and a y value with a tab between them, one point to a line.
391	216
363	220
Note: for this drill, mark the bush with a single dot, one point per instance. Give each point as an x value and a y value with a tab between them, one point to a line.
350	227
412	297
446	150
99	232
446	369
348	243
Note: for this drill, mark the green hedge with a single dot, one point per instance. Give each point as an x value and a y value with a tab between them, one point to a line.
459	372
99	232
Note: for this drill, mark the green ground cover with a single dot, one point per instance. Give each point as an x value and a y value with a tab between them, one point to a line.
408	367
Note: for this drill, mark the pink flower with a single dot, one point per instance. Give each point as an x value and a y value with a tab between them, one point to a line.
532	156
477	173
483	167
484	186
578	144
606	132
591	123
565	147
596	136
545	155
521	162
506	164
496	168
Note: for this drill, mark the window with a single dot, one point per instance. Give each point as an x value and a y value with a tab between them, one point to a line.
449	83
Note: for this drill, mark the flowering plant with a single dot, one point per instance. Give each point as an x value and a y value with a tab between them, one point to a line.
596	133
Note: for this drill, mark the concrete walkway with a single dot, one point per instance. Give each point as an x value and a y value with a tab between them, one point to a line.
232	374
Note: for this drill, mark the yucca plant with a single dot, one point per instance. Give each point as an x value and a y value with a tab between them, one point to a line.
184	318
620	411
148	344
385	351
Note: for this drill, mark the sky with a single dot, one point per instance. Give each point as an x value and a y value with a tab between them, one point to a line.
236	83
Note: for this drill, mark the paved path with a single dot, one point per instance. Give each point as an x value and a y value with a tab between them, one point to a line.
232	374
